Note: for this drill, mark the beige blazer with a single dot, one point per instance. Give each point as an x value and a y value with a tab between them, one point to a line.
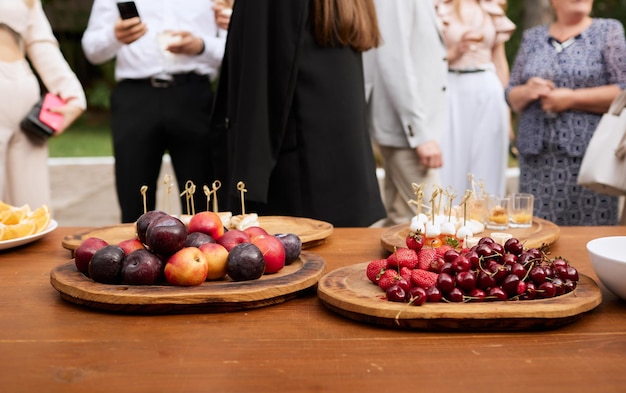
405	77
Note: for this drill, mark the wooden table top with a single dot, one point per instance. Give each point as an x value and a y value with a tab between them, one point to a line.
50	345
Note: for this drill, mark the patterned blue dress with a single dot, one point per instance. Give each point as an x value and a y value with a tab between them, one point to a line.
551	147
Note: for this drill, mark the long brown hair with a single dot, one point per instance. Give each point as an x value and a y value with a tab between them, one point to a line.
346	22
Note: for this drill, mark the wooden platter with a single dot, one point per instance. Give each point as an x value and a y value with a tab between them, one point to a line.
540	233
211	296
348	292
311	232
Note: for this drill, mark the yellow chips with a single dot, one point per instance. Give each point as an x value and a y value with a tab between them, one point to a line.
17	222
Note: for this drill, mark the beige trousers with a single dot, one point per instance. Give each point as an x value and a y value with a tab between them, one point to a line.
402	168
24	177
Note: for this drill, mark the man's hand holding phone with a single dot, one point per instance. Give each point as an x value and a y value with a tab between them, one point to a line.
129	27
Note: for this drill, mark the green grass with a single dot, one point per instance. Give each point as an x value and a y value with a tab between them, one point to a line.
89	136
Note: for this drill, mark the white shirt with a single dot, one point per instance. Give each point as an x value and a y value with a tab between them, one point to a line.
143	58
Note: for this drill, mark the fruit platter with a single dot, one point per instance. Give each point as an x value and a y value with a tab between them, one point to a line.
211	296
166	265
491	286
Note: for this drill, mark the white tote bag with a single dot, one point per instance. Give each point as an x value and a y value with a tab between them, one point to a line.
603	168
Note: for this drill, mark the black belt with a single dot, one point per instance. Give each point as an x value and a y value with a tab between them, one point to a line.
472	71
170	80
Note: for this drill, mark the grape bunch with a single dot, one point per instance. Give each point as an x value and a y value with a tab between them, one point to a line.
488	271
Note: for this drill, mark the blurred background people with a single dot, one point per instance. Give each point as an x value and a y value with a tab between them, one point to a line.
165	61
476	139
26	36
289	118
564	77
406	80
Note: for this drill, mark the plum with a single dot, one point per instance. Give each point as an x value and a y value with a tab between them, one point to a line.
166	235
245	262
292	244
144	220
142	267
106	264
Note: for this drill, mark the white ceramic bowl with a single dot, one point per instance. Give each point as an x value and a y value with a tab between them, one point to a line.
608	256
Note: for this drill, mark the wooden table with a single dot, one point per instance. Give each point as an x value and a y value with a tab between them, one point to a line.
49	345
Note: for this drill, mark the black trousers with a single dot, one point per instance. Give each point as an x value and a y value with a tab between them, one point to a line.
148	121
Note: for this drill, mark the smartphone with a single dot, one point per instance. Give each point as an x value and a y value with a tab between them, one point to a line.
52	119
127	9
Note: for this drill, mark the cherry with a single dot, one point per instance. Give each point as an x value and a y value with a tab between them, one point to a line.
395	293
509	284
404	284
473	257
519	270
570	285
446	268
536	253
455	295
418	296
485	280
531	291
513	246
449	255
445	282
485	240
484	250
461	264
546	290
477	295
572	273
559	284
434	294
497	248
509	259
537	274
496	293
466	280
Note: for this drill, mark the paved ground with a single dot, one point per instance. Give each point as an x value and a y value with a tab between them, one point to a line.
83	191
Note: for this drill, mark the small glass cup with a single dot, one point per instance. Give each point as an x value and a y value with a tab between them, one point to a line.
498	212
521	215
477	208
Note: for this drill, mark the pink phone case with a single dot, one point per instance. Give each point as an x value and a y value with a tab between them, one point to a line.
52	119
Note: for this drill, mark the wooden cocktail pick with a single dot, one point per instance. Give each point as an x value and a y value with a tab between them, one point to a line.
419	195
451	195
464	200
188	192
241	186
143	191
213	193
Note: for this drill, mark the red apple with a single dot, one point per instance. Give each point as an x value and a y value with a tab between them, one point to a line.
130	245
84	252
273	252
207	222
255	231
216	257
187	267
233	237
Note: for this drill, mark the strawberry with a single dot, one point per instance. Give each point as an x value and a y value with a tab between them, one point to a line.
424	278
405	273
415	241
426	257
388	279
403	257
375	269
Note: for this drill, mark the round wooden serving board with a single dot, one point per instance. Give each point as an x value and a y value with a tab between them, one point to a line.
348	292
212	296
540	233
311	232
